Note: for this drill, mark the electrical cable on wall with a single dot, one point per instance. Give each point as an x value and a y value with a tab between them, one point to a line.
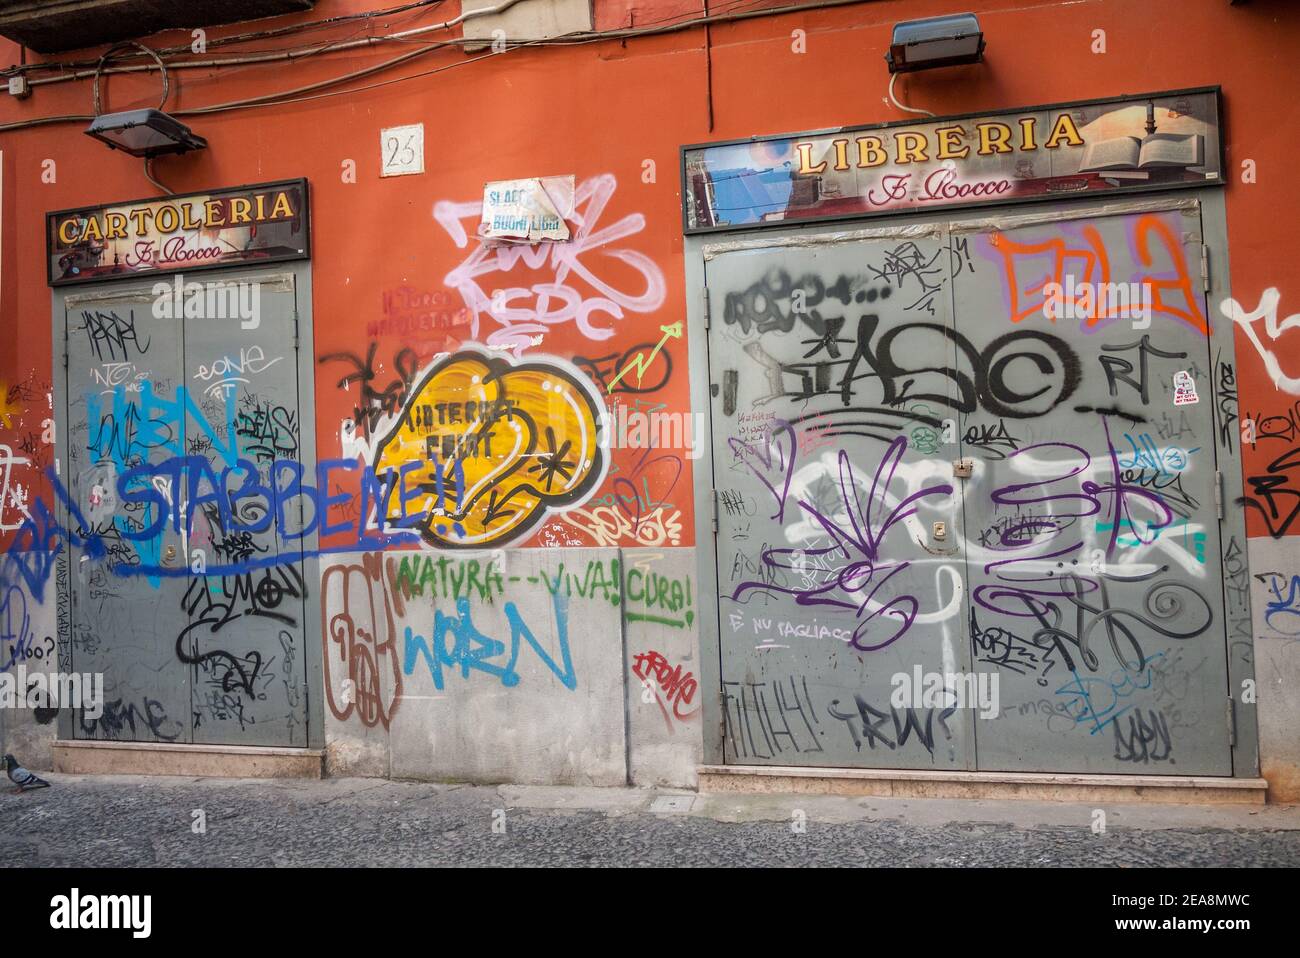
299	53
293	95
148	172
99	70
248	59
901	106
162	104
306	27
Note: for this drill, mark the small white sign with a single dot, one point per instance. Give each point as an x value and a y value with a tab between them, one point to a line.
527	210
401	150
1184	388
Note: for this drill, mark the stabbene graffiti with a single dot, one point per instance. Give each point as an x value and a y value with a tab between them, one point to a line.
167	498
483	451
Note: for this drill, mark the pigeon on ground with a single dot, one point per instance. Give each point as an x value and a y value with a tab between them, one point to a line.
21	777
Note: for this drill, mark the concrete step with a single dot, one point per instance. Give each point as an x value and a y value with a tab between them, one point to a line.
1035	786
210	761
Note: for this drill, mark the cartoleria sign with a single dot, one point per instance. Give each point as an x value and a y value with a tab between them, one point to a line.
249	224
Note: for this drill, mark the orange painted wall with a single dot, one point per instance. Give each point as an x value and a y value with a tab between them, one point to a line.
604	110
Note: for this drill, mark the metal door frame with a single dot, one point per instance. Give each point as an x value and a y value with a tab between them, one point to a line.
305	356
700	248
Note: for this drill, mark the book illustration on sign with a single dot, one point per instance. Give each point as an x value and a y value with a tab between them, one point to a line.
1135	158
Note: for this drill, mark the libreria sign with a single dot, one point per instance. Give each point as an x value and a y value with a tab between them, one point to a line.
1103	146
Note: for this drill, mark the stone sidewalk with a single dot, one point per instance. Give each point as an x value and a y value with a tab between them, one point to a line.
136	820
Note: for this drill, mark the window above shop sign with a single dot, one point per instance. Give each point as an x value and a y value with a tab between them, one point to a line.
1131	144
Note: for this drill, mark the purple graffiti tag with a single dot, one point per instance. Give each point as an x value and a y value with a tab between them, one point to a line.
1126	501
1043	581
856	584
771	469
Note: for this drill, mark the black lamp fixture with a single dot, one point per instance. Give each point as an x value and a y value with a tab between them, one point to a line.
935	42
147	133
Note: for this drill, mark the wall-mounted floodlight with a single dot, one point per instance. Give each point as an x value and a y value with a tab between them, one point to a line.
935	42
146	133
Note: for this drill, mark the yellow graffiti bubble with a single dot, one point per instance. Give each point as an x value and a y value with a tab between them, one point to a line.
485	448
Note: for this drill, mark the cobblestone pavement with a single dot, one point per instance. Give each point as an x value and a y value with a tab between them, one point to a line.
134	820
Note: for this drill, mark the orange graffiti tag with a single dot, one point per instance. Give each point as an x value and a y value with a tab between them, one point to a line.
1183	283
1094	258
1028	297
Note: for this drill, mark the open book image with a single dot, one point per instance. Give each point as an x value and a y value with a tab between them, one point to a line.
1133	156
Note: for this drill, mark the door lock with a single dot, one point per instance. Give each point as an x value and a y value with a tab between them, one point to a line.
940	531
963	468
169	554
